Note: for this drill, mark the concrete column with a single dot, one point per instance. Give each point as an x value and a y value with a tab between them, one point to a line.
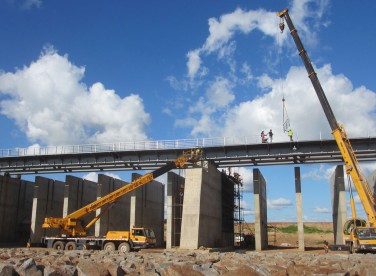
117	218
228	186
16	197
79	193
147	208
261	218
175	196
202	214
299	208
371	180
48	201
337	184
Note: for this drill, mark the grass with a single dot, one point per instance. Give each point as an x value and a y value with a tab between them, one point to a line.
294	229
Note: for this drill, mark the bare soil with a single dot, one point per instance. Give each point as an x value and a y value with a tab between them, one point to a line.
277	240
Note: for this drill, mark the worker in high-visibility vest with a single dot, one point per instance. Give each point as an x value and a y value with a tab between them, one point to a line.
290	134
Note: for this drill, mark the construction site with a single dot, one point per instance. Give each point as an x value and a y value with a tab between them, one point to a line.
197	211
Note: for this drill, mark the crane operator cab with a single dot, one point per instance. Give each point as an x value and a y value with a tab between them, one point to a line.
143	237
358	236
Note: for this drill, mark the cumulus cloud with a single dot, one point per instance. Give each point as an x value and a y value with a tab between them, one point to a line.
93	176
319	173
52	106
248	118
222	30
219	112
279	203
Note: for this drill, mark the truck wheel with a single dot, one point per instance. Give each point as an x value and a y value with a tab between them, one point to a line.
110	246
124	247
59	245
70	246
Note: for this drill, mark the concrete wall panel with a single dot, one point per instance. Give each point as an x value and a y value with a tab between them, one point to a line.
339	208
15	210
78	193
118	217
261	219
48	201
147	208
175	197
202	210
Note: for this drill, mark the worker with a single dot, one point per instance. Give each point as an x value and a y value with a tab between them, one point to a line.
326	246
264	138
270	135
290	134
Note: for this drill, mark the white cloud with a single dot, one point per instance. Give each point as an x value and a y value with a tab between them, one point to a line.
279	203
28	4
52	106
306	115
219	93
322	172
247	177
222	30
93	176
321	210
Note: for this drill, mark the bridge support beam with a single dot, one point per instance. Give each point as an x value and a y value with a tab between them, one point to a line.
371	180
339	208
147	208
15	210
118	218
78	193
175	196
299	209
202	209
48	201
261	219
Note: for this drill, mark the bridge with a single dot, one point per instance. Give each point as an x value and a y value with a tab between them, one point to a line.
149	155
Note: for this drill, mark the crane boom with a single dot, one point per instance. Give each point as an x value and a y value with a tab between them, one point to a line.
338	131
70	225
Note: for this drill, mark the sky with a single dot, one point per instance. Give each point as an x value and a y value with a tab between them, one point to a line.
89	72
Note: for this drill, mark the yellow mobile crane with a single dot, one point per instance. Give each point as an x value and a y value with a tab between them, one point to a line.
358	233
73	234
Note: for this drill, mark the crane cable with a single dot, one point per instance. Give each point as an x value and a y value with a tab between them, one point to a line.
286	122
285	117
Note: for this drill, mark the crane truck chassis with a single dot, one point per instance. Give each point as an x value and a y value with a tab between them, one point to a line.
359	234
74	236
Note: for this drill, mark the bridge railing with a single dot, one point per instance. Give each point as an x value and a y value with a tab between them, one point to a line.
130	146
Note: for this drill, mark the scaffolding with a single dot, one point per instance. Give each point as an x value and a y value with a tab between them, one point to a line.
238	212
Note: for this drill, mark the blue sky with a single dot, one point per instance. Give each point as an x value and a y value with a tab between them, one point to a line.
77	72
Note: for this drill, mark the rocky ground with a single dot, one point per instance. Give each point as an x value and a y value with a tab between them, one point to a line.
282	258
31	261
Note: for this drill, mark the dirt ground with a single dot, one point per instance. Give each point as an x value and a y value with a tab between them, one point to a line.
285	241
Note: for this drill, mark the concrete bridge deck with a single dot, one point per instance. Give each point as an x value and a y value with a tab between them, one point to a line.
154	154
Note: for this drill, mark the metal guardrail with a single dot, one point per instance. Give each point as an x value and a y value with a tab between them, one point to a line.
131	146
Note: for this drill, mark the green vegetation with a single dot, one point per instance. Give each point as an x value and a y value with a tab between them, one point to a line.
294	229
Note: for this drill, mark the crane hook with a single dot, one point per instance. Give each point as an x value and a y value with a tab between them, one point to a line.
282	25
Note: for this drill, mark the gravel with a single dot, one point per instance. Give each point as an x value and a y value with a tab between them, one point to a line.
38	261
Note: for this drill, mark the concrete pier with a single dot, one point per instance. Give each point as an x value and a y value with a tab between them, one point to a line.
118	217
175	197
48	201
77	194
261	218
202	214
299	209
147	208
339	208
16	198
371	180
